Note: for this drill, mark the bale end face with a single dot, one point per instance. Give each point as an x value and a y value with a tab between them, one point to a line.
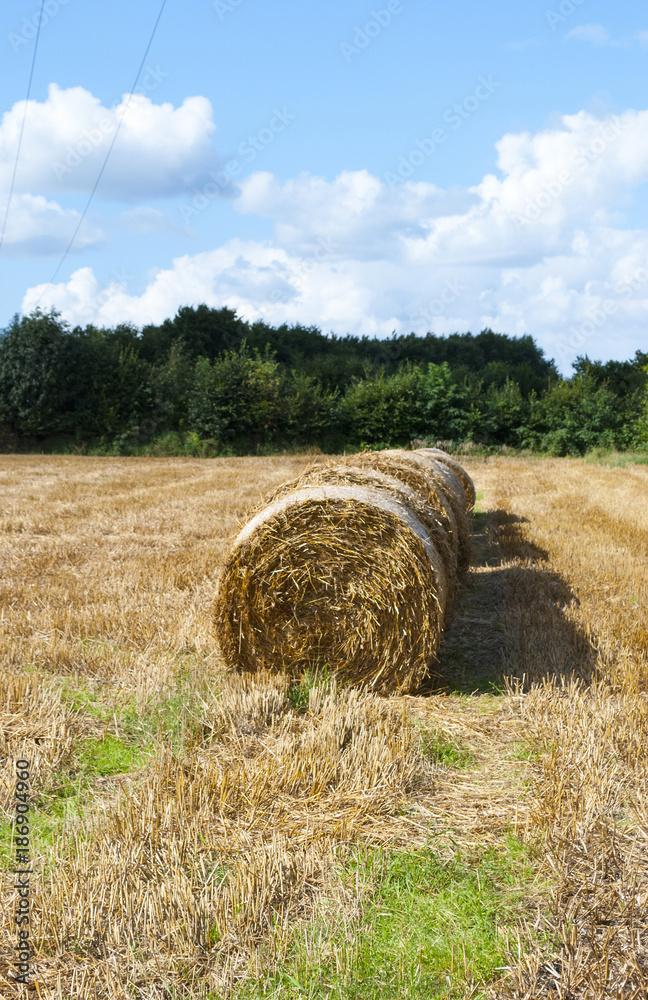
329	578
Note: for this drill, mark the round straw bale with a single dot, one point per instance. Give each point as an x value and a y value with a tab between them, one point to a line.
457	468
335	576
413	471
444	476
434	518
438	478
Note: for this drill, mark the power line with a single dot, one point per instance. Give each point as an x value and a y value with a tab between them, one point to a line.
22	128
109	151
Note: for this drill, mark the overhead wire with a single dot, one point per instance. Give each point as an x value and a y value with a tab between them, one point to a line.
22	128
107	156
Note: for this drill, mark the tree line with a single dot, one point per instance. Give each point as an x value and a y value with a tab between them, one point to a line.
207	382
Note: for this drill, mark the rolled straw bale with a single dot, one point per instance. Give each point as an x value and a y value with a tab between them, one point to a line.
455	492
432	516
438	478
447	479
413	471
333	575
457	468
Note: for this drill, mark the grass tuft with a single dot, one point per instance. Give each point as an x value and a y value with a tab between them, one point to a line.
438	747
435	928
107	756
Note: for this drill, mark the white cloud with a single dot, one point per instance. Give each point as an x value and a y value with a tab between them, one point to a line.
160	150
356	211
594	33
537	249
37	227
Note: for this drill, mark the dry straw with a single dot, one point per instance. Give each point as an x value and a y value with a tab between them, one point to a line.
457	468
413	495
435	479
339	577
347	568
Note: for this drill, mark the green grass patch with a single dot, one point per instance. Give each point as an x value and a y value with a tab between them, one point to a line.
45	822
176	717
109	755
298	693
442	749
433	928
617	459
525	750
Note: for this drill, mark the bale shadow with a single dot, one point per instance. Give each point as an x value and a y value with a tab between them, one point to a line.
513	618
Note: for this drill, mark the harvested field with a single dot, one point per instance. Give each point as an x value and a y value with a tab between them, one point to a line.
194	831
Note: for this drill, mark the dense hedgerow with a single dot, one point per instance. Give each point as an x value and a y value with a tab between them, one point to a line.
207	382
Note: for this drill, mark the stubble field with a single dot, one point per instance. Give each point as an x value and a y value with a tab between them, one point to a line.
200	834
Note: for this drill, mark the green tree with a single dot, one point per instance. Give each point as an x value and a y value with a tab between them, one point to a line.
171	384
309	412
574	416
36	378
503	414
641	429
237	396
416	401
124	393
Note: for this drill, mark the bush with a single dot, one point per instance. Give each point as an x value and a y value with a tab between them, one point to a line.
573	417
417	401
235	396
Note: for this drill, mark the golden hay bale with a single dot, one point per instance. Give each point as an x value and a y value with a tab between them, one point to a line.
457	468
433	479
343	577
434	516
414	472
451	483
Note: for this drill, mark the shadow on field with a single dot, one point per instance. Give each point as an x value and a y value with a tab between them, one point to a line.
511	619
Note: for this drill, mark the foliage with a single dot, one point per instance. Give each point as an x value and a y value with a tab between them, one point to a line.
414	402
35	387
574	416
235	396
206	382
642	421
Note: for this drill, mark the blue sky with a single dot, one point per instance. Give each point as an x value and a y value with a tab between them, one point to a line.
362	167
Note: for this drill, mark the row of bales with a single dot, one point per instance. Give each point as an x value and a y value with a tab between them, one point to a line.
351	567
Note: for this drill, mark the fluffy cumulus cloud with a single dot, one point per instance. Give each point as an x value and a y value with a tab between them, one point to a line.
37	227
160	150
544	246
356	210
